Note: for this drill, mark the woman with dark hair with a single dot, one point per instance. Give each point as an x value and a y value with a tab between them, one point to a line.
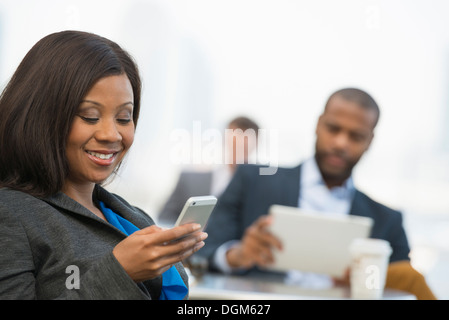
68	117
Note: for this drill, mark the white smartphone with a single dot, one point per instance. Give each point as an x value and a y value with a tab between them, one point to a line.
197	210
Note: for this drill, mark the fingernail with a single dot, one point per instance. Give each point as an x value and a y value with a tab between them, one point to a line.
199	245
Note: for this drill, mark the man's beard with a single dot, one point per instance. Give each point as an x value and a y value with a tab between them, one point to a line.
334	175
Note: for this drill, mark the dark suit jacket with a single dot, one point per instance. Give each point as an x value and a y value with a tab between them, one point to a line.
40	238
249	195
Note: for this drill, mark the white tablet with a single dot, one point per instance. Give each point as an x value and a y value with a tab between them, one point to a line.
315	242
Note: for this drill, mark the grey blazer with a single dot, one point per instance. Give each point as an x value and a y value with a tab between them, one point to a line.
42	239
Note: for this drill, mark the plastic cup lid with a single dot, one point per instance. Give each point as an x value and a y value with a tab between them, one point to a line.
370	246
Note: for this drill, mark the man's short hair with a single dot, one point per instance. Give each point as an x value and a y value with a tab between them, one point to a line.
358	96
244	123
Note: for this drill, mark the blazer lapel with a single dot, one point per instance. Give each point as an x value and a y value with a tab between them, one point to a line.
122	208
359	207
64	202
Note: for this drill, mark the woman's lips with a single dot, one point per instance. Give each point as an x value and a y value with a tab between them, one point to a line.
102	158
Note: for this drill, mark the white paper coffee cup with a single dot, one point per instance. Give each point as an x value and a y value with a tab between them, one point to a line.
368	267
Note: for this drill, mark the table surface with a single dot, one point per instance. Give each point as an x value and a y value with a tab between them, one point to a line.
224	287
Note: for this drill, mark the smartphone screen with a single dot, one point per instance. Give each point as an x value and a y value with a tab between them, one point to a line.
197	210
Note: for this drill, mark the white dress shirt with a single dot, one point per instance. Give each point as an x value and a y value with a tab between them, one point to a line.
316	196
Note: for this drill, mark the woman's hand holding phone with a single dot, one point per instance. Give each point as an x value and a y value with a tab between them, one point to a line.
149	252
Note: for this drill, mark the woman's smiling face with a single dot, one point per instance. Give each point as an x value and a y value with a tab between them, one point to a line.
102	131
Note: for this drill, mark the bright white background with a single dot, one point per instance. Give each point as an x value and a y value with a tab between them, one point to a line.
277	62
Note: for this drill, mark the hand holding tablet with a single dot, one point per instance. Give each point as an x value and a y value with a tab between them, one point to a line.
315	242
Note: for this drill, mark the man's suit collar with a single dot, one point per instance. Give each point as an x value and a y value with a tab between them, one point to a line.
359	206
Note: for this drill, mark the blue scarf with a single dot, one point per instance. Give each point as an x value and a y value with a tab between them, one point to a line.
173	287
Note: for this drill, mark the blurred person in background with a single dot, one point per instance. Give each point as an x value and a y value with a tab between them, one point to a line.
211	182
239	241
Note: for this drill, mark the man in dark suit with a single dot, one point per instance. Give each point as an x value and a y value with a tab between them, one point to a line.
237	229
238	237
343	133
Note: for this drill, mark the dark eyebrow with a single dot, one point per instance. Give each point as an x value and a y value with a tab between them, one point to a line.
100	105
332	124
